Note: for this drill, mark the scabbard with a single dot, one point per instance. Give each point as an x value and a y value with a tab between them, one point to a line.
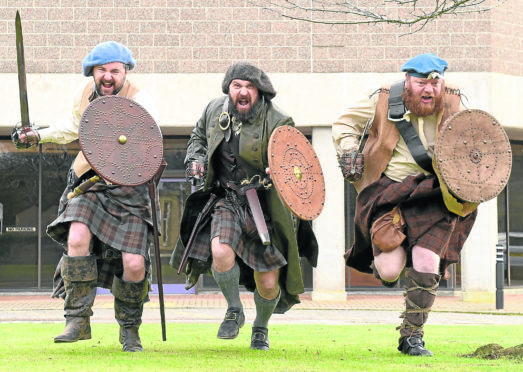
196	229
257	214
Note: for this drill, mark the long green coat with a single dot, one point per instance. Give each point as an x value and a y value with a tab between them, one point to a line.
290	235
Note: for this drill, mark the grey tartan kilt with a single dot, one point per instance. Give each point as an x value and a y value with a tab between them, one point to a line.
115	229
226	224
112	225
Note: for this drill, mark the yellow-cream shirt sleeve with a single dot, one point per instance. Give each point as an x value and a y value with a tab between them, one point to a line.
347	128
64	130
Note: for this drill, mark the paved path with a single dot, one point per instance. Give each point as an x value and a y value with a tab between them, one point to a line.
210	308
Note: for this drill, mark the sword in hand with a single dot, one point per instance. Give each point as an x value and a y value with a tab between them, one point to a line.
24	135
361	146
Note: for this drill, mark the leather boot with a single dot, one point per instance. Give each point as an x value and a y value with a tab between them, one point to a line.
80	278
419	298
128	308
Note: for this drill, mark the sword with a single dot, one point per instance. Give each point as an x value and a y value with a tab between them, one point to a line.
361	146
22	84
257	214
24	128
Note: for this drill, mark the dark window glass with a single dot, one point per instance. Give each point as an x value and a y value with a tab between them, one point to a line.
511	200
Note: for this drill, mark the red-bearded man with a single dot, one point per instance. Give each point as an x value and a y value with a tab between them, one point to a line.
401	221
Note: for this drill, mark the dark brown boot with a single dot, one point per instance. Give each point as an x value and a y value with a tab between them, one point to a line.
80	278
128	308
419	298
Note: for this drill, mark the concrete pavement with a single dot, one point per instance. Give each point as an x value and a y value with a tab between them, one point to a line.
359	308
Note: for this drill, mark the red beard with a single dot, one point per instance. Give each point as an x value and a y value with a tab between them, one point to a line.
418	108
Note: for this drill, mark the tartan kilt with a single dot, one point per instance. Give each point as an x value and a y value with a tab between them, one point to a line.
429	223
120	219
226	224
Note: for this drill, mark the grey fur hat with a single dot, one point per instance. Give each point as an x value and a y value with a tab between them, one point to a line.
249	72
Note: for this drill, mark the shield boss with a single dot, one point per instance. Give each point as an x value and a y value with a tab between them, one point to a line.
473	155
296	172
120	140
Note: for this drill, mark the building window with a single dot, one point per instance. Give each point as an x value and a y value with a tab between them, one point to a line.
510	213
31	184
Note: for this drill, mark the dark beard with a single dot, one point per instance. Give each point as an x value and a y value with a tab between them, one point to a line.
419	108
249	115
115	91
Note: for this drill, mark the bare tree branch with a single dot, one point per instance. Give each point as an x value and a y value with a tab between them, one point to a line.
350	12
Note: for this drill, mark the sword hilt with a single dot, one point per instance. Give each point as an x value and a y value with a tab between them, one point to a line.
83	187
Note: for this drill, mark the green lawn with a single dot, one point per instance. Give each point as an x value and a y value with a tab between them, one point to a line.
30	347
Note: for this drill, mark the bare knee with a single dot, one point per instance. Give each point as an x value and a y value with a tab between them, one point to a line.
223	256
78	240
390	264
424	260
133	267
267	284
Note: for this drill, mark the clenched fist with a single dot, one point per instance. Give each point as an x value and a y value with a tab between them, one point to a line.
352	165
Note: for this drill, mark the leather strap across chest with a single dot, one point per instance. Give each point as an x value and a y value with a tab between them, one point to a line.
410	136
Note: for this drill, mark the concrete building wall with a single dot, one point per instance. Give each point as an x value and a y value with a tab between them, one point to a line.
184	47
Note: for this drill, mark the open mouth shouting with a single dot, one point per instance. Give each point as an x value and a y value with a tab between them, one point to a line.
106	87
427	99
243	105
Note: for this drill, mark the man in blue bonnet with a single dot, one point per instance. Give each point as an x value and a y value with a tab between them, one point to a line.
401	219
106	231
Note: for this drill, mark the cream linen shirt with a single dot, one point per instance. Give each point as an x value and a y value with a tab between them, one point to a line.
347	128
65	130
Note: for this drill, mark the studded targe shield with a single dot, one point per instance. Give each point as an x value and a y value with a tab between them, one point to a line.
121	141
473	156
124	145
296	172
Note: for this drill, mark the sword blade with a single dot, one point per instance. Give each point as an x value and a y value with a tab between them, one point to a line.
257	214
22	84
361	145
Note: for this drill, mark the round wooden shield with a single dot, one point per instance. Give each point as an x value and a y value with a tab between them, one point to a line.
296	172
473	155
120	140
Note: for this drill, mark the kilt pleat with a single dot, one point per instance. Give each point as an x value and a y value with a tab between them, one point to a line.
226	224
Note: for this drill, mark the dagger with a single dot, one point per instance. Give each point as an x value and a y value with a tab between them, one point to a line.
86	185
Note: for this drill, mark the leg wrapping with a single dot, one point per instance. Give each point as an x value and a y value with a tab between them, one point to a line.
419	297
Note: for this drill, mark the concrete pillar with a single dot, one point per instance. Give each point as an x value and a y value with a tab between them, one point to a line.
478	257
329	227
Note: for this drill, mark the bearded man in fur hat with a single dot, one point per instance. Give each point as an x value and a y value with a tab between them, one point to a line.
402	218
108	230
227	153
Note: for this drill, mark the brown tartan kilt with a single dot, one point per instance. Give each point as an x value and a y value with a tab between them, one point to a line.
429	223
